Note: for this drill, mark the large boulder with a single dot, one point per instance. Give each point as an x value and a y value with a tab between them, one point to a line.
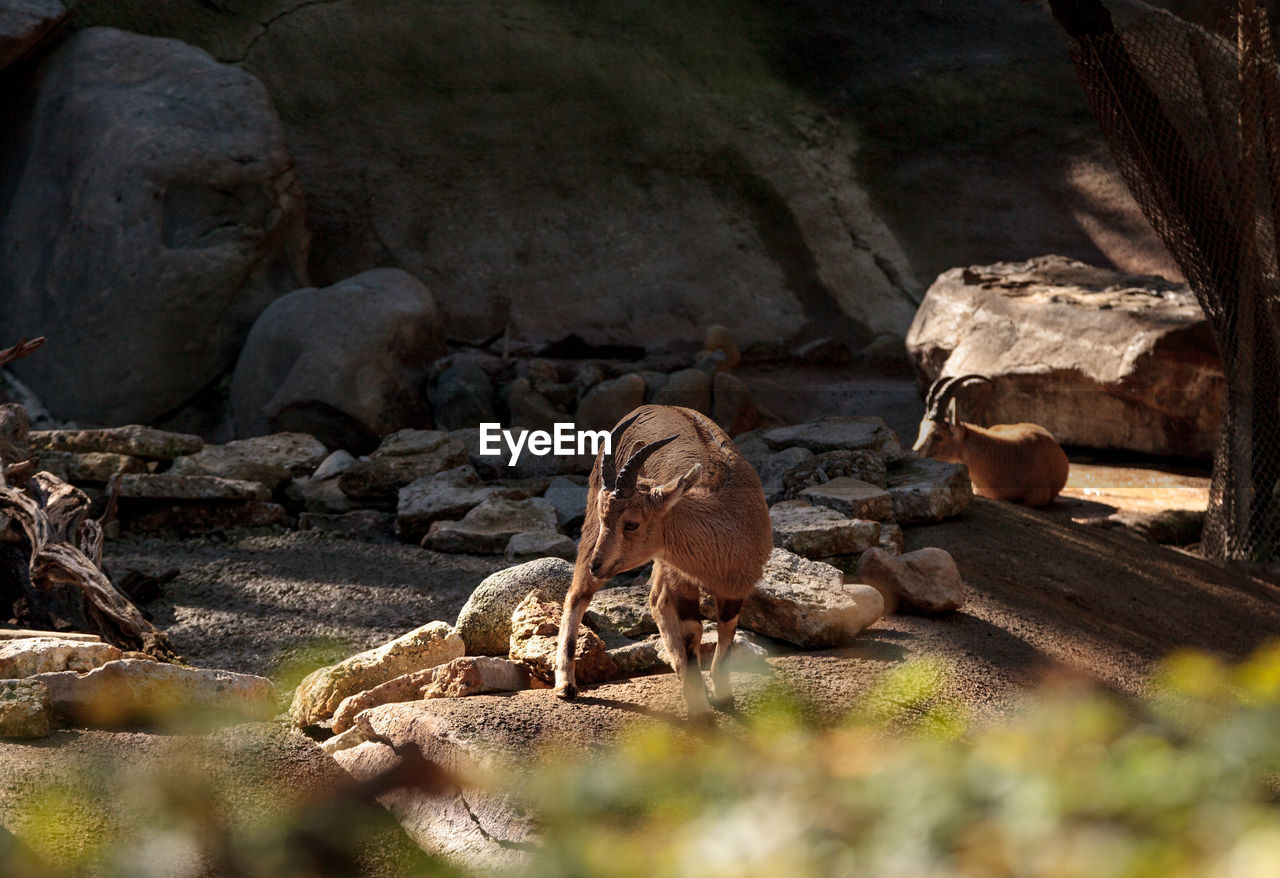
485	620
152	193
1100	358
346	363
270	460
25	24
131	691
634	176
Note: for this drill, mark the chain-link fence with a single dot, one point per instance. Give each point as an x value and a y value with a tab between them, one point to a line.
1193	120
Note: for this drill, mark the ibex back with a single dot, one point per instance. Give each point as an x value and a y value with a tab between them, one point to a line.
684	498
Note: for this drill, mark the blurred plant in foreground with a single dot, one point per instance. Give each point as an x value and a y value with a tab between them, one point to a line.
1073	782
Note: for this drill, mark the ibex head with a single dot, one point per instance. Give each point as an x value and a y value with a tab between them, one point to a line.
631	509
941	432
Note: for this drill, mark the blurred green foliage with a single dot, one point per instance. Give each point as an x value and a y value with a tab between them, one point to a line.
1074	781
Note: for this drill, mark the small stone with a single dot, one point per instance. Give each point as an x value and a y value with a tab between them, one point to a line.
775	468
926	579
820	532
891	537
867	466
484	622
319	496
569	499
609	402
270	460
334	465
690	388
927	490
853	497
712	362
461	396
489	527
446	495
731	405
320	693
529	408
169	487
477	675
634	659
621	610
360	524
540	544
401	459
851	433
26	710
719	338
806	603
129	691
134	439
39	655
535	629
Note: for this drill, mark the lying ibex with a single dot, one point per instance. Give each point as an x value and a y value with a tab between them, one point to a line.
1019	462
698	512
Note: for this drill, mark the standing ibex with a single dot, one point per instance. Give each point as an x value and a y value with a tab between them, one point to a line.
698	512
1019	462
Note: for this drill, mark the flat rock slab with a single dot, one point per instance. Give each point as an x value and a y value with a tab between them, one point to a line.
869	466
267	459
852	497
90	466
131	691
39	655
819	531
488	528
447	495
134	439
321	691
540	544
924	489
838	434
170	487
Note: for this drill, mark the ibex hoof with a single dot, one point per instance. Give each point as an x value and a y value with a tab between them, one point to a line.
566	691
725	703
703	720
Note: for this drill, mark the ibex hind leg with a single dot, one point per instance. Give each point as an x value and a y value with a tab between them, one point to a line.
726	624
674	601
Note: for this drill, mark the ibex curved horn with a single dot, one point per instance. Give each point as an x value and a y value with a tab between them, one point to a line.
608	471
943	389
626	484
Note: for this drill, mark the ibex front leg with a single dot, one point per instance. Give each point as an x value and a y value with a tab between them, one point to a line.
575	605
674	601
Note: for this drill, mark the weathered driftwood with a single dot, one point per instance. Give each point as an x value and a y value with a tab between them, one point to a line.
65	551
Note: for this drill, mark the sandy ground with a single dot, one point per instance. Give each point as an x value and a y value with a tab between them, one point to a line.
267	604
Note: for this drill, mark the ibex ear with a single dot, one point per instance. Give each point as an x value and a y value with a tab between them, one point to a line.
670	493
